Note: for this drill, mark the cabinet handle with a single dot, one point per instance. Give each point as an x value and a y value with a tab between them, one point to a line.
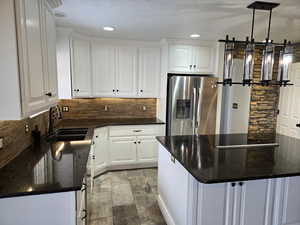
233	184
136	131
49	94
83	187
85	214
298	125
241	183
93	157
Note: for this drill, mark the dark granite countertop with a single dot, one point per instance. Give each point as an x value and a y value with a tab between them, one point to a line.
96	123
208	164
46	167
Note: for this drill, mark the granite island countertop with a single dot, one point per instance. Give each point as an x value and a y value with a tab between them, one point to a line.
209	164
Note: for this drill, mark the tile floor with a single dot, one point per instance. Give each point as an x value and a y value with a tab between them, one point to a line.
125	198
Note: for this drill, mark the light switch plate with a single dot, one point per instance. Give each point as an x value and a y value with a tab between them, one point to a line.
27	128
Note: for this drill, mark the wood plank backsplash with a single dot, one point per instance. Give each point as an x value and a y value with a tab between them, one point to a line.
116	108
16	139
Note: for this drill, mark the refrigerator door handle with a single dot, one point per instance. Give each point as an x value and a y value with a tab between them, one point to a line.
194	110
199	107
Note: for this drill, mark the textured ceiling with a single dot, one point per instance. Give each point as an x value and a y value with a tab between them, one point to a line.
157	19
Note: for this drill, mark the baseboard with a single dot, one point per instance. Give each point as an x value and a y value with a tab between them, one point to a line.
163	208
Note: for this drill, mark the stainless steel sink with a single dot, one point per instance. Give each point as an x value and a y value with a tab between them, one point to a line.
68	134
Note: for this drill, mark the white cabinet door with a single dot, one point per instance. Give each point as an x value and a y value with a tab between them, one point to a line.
172	188
31	56
287	201
149	72
122	150
81	69
215	204
126	72
180	58
50	55
100	150
257	198
104	70
146	149
203	59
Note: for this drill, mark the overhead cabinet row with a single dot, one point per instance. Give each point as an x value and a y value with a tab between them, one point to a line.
101	70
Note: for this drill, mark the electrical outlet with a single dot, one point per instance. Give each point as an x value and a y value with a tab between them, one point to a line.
27	128
144	108
65	108
1	143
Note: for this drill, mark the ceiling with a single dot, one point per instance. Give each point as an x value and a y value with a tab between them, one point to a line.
157	19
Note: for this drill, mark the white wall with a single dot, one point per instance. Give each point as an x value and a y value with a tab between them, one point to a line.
235	120
63	63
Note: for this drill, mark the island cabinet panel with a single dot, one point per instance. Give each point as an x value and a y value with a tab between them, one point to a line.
247	203
172	188
287	203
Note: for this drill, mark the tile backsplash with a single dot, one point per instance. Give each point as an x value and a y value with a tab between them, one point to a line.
101	108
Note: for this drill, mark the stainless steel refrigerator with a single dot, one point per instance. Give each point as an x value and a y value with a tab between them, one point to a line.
191	105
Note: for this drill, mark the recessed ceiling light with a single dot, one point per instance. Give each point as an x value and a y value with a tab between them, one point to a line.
107	28
195	35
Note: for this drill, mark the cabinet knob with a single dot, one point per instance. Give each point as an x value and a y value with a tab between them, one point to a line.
114	90
117	90
194	66
232	184
96	136
49	94
134	142
141	90
191	67
241	183
139	142
298	125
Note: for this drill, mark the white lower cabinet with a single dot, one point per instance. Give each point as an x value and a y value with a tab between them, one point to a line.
120	147
146	149
185	201
122	150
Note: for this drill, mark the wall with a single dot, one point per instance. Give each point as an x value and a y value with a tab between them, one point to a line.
117	108
16	139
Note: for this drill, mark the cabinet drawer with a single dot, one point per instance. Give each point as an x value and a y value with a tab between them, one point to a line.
135	130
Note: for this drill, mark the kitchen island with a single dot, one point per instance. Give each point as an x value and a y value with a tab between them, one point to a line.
200	183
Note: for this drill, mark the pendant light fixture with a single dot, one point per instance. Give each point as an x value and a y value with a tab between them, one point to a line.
286	54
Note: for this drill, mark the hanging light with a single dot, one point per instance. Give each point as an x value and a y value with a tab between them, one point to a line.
286	55
248	63
267	64
228	62
285	61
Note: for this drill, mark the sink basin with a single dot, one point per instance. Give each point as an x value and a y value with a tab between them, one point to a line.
68	134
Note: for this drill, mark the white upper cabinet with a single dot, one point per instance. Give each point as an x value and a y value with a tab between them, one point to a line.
50	55
126	72
104	70
81	69
180	58
193	59
28	36
149	72
31	53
